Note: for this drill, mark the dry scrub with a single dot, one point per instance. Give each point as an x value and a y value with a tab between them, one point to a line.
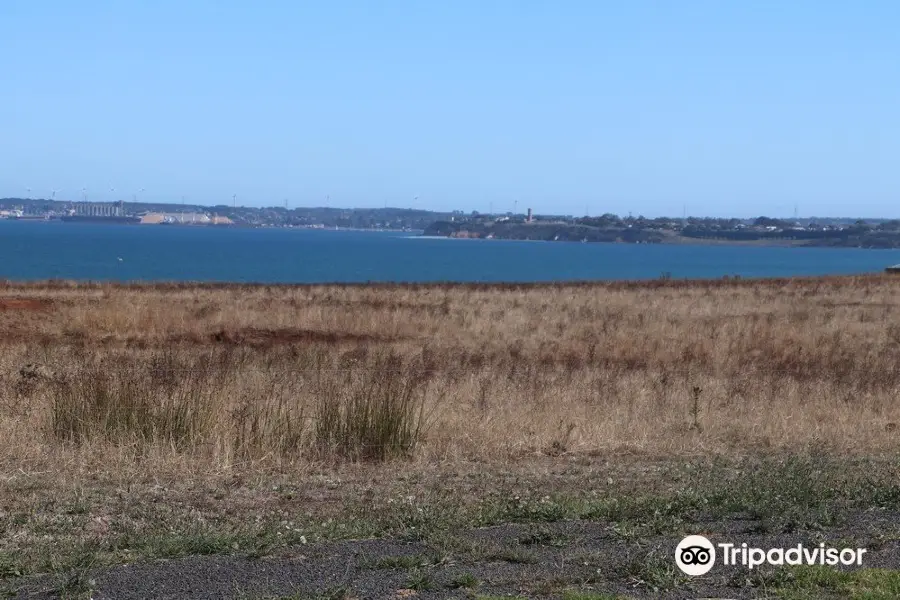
226	374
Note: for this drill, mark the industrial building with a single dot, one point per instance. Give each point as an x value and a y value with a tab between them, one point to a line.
98	209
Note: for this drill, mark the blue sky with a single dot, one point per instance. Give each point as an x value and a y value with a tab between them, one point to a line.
728	107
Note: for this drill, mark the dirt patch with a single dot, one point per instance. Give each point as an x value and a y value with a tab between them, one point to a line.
25	304
249	337
263	338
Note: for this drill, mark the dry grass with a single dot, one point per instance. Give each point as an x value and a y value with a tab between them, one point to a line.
229	373
218	391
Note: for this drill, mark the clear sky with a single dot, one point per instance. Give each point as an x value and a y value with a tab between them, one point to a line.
730	107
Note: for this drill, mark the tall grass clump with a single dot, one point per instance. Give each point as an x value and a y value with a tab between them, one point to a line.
269	418
132	405
372	413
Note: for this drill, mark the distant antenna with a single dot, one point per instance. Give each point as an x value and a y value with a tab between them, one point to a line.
285	204
84	194
53	194
795	211
234	201
515	207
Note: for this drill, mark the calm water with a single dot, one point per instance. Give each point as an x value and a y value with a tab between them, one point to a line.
43	250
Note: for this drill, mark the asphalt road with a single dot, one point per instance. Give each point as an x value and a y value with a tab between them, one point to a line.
531	560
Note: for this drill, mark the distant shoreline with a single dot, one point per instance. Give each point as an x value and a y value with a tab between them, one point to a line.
612	237
861	237
671	241
413	232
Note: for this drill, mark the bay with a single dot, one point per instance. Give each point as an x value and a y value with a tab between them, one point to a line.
100	252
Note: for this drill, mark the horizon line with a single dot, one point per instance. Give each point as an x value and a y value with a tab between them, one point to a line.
434	211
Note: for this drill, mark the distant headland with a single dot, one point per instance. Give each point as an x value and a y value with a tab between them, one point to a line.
871	233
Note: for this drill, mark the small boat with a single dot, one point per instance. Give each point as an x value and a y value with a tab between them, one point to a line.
893	269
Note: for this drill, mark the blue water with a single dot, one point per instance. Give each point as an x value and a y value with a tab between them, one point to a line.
44	250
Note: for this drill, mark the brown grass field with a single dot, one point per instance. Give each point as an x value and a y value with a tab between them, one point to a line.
230	414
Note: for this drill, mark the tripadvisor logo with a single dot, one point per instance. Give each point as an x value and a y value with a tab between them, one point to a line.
695	555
